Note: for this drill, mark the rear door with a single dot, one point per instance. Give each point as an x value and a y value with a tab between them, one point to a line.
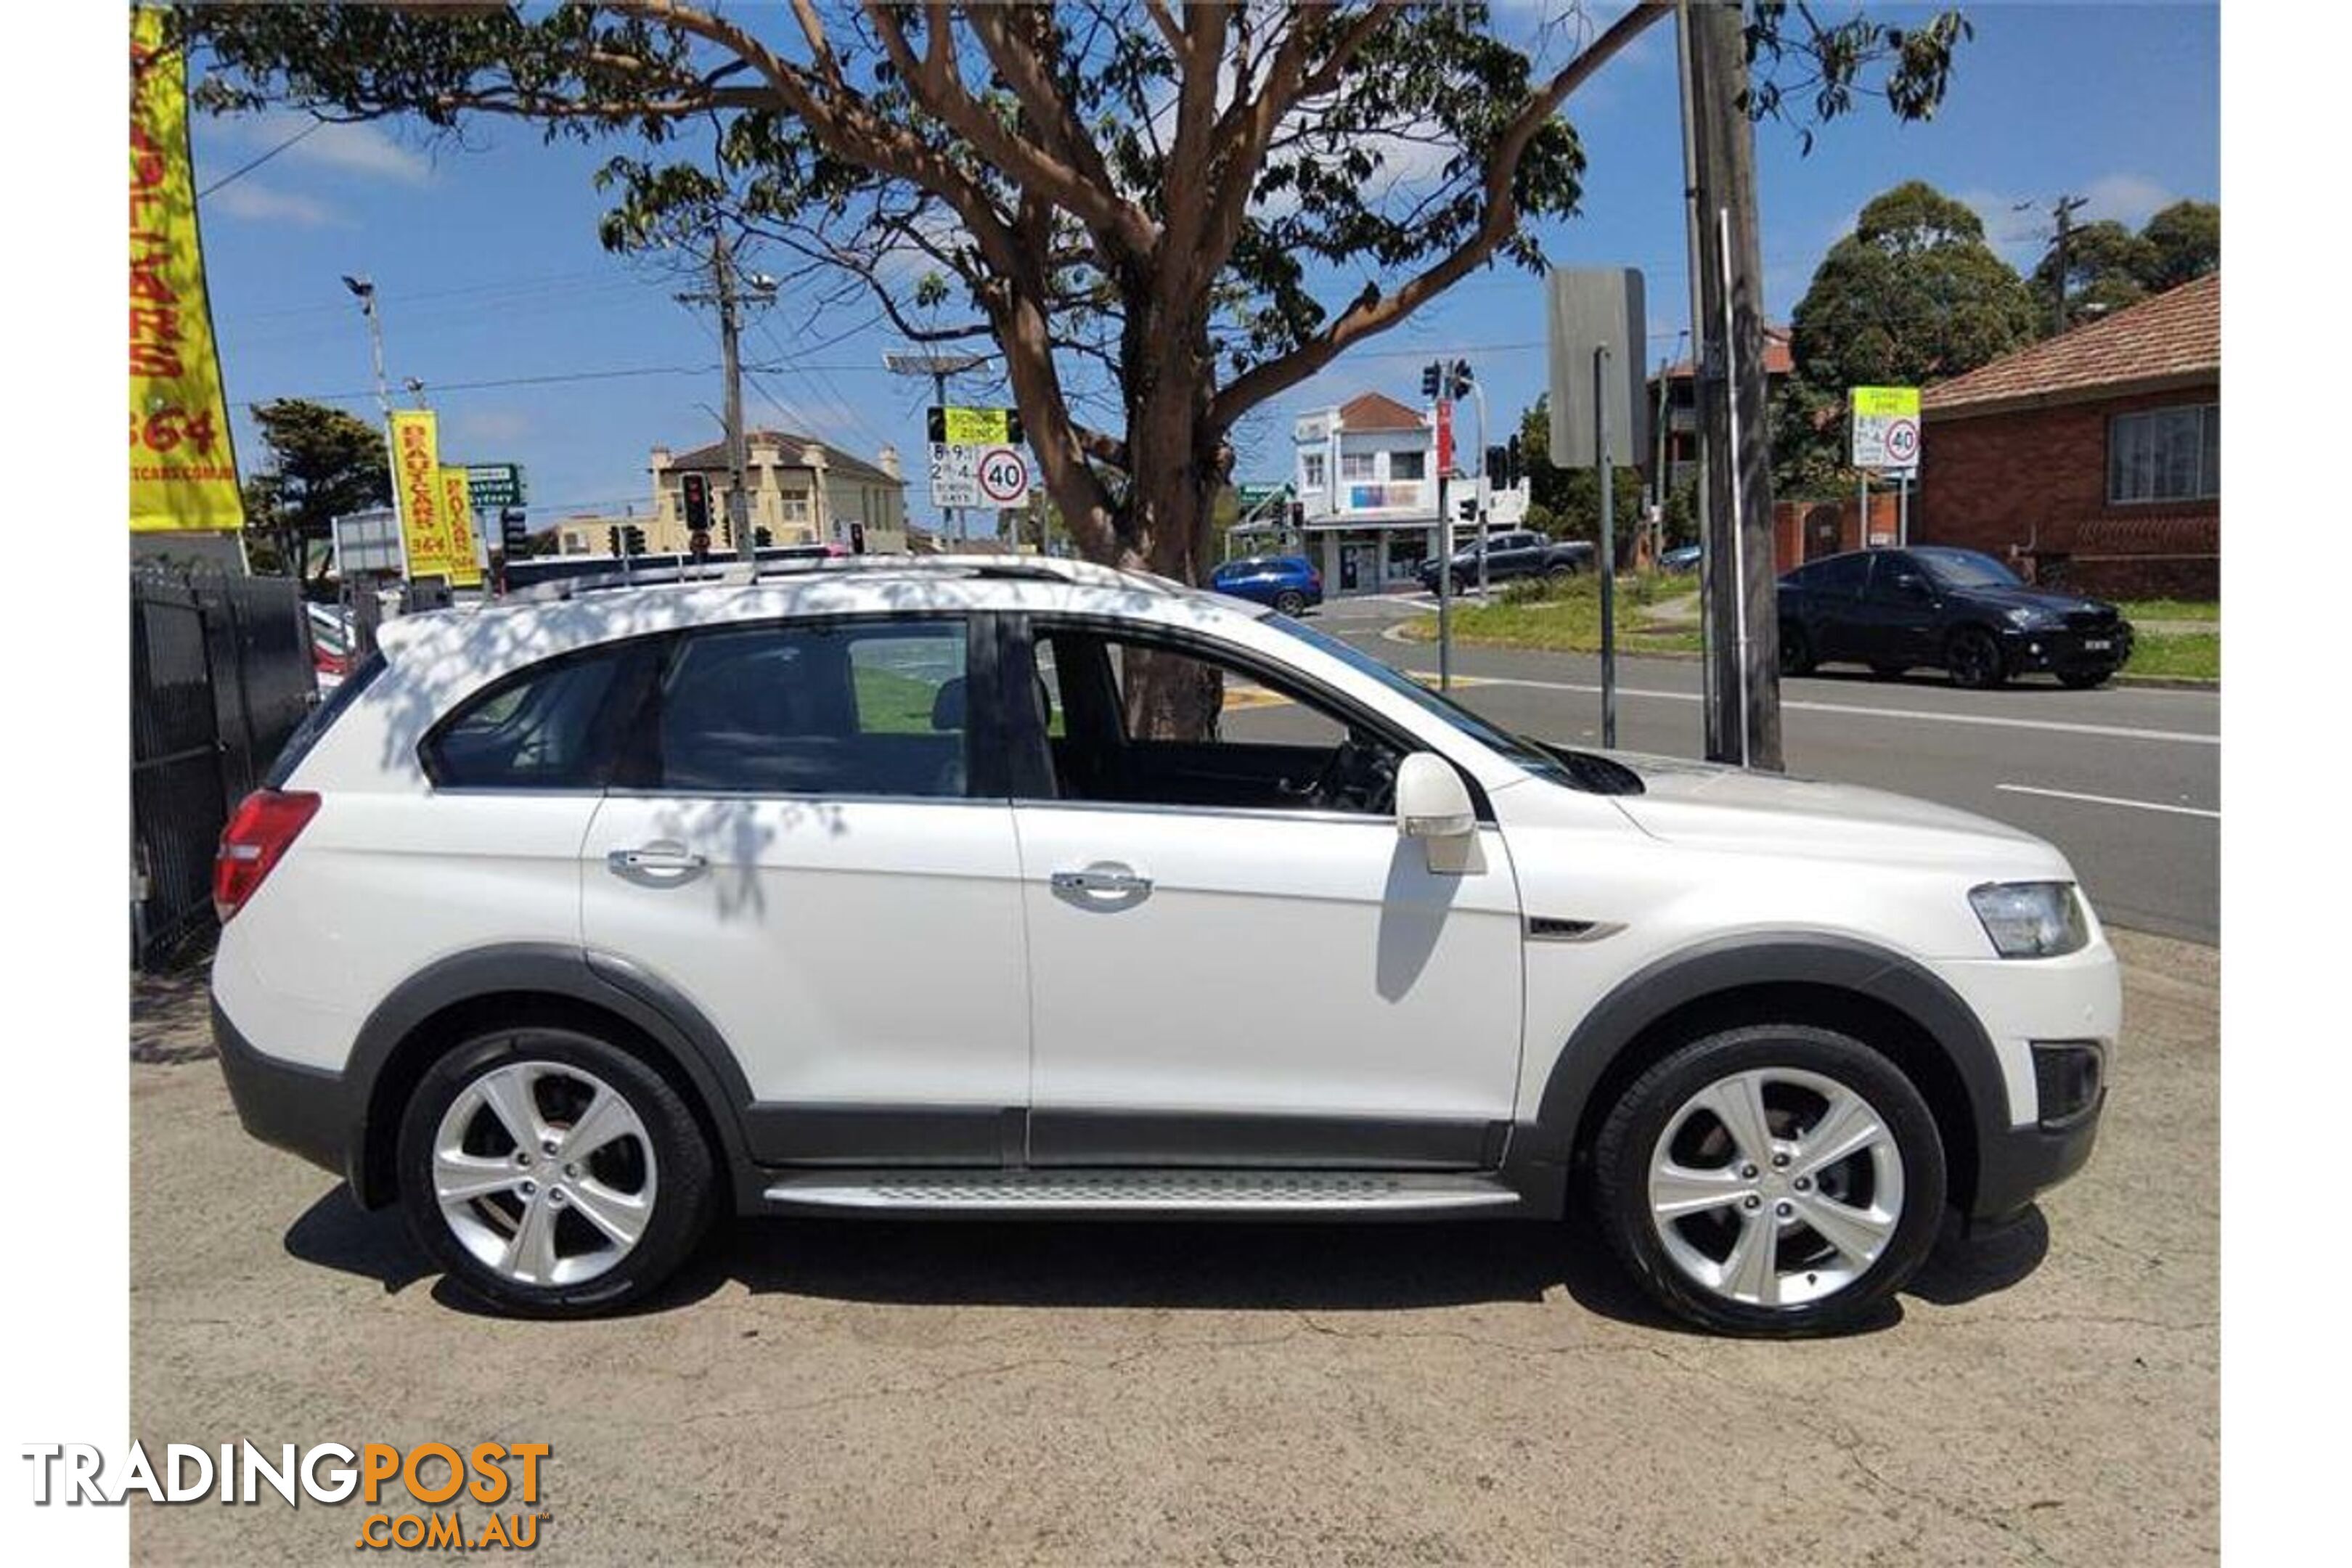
809	848
1832	589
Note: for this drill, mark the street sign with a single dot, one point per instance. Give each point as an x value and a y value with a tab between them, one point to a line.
491	485
960	427
1004	476
1597	310
367	541
955	475
1886	428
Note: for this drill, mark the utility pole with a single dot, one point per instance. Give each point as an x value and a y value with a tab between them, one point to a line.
2063	210
1743	696
739	499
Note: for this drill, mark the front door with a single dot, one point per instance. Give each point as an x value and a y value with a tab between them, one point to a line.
811	854
1236	959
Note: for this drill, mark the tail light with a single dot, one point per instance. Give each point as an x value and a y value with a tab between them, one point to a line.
260	831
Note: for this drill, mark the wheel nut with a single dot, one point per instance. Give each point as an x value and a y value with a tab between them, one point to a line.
1783	1210
528	1188
555	1196
571	1171
548	1147
1778	1160
1804	1183
522	1156
1747	1172
1751	1201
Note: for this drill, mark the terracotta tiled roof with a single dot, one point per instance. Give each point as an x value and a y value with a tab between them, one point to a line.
1779	358
1373	412
713	457
2174	337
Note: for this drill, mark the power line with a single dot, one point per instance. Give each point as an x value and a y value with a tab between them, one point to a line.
546	379
244	168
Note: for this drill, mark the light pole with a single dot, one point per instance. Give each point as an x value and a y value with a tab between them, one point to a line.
365	290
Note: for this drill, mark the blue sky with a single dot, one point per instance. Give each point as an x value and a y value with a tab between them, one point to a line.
486	258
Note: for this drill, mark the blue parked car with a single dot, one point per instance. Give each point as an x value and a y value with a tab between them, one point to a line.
1289	583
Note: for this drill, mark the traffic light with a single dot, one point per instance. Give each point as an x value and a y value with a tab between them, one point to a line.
514	532
634	538
857	539
1499	466
695	491
697	544
1458	379
1515	461
1432	378
612	540
760	538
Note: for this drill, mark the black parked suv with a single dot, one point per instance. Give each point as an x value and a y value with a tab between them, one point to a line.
1957	610
1512	553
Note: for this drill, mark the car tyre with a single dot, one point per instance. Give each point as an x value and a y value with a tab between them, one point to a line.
1796	650
1559	571
1722	1235
2084	679
615	1195
1289	602
1973	659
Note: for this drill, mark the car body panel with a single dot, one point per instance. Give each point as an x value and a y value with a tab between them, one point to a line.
1268	579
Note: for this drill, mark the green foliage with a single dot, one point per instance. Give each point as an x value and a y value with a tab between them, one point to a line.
1566	502
1913	295
2108	266
2187	239
323	463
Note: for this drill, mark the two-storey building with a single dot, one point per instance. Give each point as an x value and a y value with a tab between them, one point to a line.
1367	483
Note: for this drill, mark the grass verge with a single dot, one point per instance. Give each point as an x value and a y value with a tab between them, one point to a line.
1565	617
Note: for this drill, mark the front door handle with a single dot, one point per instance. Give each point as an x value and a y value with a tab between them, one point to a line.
655	858
1103	878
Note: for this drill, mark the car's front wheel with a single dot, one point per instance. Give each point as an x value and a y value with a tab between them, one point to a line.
553	1172
1289	602
1777	1180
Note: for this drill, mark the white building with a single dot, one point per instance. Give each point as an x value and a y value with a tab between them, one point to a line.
1366	478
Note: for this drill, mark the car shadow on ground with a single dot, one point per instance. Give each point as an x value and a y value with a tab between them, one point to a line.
1165	1264
1925	678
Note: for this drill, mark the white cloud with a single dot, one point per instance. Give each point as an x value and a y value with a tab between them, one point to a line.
251	200
2129	199
361	149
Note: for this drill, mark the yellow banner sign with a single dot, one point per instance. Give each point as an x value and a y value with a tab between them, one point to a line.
975	426
458	510
424	508
183	469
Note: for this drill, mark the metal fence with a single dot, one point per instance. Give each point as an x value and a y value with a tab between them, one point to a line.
221	672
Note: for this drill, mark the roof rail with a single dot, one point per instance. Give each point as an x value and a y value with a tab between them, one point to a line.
729	573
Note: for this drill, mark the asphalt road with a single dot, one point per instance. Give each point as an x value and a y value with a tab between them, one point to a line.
1101	1393
2126	780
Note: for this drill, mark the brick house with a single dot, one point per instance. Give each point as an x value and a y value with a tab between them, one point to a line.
2094	458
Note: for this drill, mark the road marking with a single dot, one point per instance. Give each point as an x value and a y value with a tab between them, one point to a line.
2110	800
1922	715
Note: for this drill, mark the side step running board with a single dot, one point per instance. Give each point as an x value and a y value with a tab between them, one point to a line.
1326	1193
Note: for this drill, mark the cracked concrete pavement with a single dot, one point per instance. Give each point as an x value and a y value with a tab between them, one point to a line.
885	1392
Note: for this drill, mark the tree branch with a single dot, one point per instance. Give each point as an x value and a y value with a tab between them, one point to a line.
1373	312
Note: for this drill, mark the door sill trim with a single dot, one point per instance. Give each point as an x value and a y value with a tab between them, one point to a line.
1098	1193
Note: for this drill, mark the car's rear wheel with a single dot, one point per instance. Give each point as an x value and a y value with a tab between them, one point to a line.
1973	659
1289	602
1775	1180
552	1173
1558	570
1796	650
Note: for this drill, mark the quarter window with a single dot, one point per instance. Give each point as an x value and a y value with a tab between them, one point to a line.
2165	454
558	725
875	709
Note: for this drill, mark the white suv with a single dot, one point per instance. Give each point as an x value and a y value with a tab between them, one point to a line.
570	924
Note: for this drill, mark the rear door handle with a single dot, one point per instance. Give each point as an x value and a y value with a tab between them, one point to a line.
655	858
1102	879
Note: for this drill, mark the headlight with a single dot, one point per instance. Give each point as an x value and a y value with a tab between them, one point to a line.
2026	615
2032	919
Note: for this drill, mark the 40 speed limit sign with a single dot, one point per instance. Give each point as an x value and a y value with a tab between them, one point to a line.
1003	477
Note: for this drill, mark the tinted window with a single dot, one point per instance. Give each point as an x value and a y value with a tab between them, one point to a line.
817	710
1964	569
1838	575
553	726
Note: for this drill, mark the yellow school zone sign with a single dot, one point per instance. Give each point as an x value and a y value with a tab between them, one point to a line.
183	469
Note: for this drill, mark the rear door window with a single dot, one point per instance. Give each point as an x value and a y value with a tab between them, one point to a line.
879	709
561	725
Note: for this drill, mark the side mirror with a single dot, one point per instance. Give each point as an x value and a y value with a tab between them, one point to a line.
1431	801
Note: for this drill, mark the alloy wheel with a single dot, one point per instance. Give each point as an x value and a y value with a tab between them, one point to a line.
1975	660
544	1172
1774	1187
